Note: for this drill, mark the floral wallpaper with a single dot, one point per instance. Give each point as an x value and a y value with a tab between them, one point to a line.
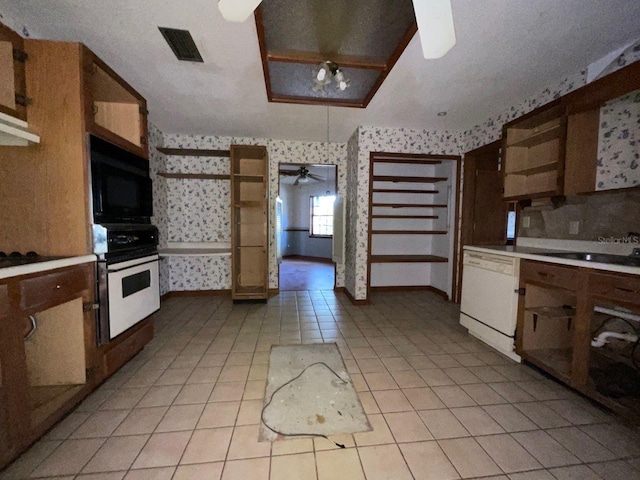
199	210
351	213
619	143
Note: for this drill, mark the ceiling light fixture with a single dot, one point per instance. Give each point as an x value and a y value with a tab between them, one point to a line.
326	72
237	10
435	27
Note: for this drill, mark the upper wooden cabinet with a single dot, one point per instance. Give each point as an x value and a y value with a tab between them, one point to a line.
534	147
114	110
13	96
583	108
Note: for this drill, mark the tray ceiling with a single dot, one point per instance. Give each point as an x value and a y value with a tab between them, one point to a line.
363	37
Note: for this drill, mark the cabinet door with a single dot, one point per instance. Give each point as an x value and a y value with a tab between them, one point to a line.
12	74
116	112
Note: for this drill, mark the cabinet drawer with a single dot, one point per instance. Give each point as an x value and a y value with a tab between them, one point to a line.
39	293
565	277
619	287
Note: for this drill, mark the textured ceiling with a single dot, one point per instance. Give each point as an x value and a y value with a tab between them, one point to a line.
506	51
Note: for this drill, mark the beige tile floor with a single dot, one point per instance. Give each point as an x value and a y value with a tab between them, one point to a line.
442	405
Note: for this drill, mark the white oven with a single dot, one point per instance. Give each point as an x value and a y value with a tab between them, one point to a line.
129	292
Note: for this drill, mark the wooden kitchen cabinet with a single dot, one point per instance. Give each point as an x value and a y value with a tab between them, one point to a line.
583	125
114	110
249	220
13	96
561	309
534	151
48	352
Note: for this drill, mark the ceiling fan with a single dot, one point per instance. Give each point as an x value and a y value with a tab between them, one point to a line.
434	18
303	174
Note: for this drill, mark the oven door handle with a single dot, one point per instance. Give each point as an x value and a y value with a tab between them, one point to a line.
115	270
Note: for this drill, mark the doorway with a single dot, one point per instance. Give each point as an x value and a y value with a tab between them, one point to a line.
305	229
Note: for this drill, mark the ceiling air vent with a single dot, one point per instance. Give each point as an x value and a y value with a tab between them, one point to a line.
182	44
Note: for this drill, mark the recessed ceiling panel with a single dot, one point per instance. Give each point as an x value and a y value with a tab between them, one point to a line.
363	37
296	79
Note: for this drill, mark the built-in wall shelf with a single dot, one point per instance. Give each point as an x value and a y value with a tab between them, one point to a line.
197	176
389	190
408	259
249	178
409	232
194	152
410	205
400	179
547	167
431	217
410	242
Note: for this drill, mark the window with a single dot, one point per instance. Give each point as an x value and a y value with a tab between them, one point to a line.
321	210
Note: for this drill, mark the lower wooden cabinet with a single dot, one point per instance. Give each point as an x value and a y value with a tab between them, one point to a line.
47	352
561	310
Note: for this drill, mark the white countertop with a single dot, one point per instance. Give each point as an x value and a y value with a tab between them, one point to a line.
535	253
45	266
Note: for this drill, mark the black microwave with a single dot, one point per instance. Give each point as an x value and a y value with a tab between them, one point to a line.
121	186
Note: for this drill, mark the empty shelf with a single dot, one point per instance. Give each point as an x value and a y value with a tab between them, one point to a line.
396	179
409	232
405	216
408	259
196	176
547	167
387	190
538	137
194	152
410	205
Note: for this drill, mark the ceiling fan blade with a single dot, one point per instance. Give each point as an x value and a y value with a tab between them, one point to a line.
237	10
288	173
297	181
315	177
435	27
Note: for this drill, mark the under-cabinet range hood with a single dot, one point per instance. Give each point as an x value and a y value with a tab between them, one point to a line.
15	132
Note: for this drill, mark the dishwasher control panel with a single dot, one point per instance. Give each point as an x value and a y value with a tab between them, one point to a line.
493	263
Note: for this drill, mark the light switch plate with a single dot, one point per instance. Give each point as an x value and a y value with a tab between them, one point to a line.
574	227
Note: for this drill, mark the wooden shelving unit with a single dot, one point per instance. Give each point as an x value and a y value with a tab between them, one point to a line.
410	198
249	220
534	147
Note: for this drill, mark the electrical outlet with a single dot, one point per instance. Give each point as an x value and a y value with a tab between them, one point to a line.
526	222
574	227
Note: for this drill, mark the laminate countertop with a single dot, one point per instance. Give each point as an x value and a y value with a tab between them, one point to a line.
44	266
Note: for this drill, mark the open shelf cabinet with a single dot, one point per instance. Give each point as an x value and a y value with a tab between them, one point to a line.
412	201
249	239
534	147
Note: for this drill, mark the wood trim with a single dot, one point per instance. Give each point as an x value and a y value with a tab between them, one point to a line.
425	192
194	152
409	205
196	293
317	58
613	190
273	292
409	232
353	300
457	264
432	217
296	230
309	258
262	44
411	31
197	176
410	288
400	179
334	102
581	152
612	86
408	259
372	157
382	156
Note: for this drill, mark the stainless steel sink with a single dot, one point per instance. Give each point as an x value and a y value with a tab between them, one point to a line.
597	258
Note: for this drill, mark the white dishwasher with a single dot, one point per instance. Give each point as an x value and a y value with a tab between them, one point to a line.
489	306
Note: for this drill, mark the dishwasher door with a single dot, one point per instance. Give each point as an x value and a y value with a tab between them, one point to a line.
489	306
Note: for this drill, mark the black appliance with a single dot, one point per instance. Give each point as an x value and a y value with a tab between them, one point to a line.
121	186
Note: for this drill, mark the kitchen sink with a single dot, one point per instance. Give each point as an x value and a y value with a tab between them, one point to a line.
597	258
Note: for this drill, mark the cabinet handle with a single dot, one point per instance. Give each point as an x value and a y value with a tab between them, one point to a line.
34	327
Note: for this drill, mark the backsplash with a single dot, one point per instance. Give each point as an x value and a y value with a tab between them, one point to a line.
607	216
